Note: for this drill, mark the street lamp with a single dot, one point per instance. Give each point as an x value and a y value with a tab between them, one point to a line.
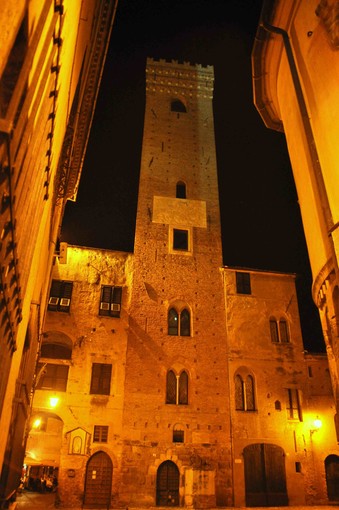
53	401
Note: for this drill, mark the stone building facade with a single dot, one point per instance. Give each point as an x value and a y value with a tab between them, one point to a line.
51	59
295	63
179	382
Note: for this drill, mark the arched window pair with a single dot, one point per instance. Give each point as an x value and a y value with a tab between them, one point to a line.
177	388
179	323
244	393
279	330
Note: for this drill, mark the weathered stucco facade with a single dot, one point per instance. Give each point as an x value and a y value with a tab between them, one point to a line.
180	382
295	77
51	58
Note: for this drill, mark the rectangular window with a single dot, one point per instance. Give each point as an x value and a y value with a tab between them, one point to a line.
178	436
110	301
243	282
101	378
60	296
180	239
100	434
53	377
293	404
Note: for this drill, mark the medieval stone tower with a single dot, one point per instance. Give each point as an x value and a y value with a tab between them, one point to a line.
176	409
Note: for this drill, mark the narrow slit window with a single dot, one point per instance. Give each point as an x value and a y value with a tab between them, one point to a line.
185	323
173	320
283	331
181	190
171	387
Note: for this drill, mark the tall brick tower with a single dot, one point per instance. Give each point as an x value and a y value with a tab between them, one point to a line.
176	416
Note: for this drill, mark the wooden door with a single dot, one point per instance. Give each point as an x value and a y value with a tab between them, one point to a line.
168	484
332	477
98	483
265	477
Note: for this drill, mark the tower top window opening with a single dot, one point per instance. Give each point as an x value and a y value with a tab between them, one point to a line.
178	106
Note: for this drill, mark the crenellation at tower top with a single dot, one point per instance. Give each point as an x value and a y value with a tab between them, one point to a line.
191	80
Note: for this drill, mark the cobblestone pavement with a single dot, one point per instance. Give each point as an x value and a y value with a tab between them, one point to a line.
36	501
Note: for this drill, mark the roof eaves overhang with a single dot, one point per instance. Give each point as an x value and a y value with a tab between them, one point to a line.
262	85
92	81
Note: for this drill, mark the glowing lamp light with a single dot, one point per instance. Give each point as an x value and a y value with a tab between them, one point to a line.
37	423
53	401
317	423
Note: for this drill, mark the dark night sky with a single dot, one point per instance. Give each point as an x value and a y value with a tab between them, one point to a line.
261	224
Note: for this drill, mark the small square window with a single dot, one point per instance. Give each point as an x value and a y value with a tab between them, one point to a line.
100	434
180	239
178	436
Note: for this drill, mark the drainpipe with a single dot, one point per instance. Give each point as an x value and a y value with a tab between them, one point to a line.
261	38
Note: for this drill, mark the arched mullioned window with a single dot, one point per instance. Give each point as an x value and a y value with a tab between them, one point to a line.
177	388
178	106
173	322
244	392
279	330
185	323
179	323
180	190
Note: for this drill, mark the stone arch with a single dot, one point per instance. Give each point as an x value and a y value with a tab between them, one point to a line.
56	345
178	105
332	477
265	475
44	440
98	480
167	484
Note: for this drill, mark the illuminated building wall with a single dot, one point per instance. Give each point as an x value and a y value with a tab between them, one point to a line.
295	67
179	382
51	58
277	389
177	338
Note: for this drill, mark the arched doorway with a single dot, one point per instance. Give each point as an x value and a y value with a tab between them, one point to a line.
98	483
332	477
265	477
168	484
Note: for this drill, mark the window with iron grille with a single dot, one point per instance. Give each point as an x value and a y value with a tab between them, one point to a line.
178	436
110	301
101	378
52	377
243	283
293	404
177	388
244	393
60	296
100	434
